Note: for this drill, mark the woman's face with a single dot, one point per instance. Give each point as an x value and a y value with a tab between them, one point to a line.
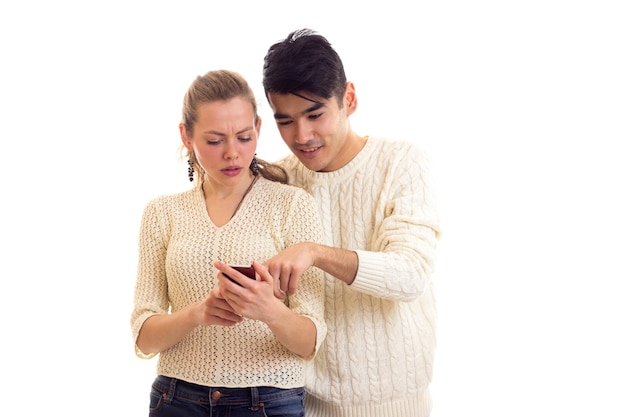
224	140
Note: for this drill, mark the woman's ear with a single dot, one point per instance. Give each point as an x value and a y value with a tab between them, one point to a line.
184	137
258	125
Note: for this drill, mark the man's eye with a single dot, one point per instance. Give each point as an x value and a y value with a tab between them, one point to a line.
283	122
315	116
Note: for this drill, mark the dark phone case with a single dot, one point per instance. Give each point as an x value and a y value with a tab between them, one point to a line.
244	269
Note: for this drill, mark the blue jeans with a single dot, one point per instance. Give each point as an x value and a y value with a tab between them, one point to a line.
172	397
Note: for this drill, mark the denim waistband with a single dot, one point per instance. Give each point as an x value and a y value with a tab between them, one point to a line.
173	387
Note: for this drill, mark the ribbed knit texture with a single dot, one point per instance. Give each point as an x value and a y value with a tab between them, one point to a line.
378	354
177	248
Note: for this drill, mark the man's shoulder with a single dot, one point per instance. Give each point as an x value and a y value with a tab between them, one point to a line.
288	163
294	169
386	149
392	144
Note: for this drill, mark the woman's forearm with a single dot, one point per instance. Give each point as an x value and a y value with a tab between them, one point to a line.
162	331
296	333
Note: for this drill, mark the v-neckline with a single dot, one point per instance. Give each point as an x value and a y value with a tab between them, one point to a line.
239	205
242	198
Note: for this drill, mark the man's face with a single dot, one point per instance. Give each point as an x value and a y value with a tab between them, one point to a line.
315	129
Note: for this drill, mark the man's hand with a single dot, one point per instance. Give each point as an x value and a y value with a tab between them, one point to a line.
288	266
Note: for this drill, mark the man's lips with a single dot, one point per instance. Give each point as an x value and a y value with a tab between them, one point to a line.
309	151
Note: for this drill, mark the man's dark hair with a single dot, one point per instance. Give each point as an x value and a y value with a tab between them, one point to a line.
304	61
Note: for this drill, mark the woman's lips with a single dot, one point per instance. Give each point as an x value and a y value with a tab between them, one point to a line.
231	171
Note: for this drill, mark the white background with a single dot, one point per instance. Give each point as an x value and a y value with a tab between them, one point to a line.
522	106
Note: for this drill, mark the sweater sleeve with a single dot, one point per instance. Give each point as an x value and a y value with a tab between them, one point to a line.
304	225
400	256
151	287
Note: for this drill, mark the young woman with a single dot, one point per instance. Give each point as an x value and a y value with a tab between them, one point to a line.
226	346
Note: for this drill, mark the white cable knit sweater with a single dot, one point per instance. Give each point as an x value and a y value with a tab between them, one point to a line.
378	354
178	244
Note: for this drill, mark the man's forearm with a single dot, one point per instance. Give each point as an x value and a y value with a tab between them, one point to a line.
340	263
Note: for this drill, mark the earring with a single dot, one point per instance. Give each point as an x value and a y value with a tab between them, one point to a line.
254	166
190	170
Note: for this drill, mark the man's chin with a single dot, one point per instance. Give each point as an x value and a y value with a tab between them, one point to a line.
310	160
312	164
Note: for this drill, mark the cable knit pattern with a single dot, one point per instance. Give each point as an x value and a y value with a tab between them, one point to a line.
378	354
177	248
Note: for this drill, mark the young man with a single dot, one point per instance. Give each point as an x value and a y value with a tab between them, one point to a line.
378	211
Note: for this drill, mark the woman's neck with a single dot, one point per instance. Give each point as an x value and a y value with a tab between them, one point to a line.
216	191
222	204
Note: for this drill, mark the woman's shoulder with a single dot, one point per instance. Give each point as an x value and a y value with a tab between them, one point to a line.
173	199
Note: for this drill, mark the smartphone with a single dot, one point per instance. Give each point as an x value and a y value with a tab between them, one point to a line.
244	269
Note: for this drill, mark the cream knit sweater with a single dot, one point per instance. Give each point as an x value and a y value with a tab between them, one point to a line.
177	247
378	354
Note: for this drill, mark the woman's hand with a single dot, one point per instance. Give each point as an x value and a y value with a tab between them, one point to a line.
251	298
254	299
215	310
162	331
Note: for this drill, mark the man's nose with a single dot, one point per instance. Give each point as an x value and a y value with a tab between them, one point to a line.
302	132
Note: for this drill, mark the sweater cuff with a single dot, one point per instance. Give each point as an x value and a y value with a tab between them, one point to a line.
369	273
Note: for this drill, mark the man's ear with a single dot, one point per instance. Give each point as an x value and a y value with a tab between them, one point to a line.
349	98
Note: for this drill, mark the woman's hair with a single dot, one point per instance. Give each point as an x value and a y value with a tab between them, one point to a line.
304	62
222	85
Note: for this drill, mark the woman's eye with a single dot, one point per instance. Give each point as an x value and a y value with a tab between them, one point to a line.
245	139
213	142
